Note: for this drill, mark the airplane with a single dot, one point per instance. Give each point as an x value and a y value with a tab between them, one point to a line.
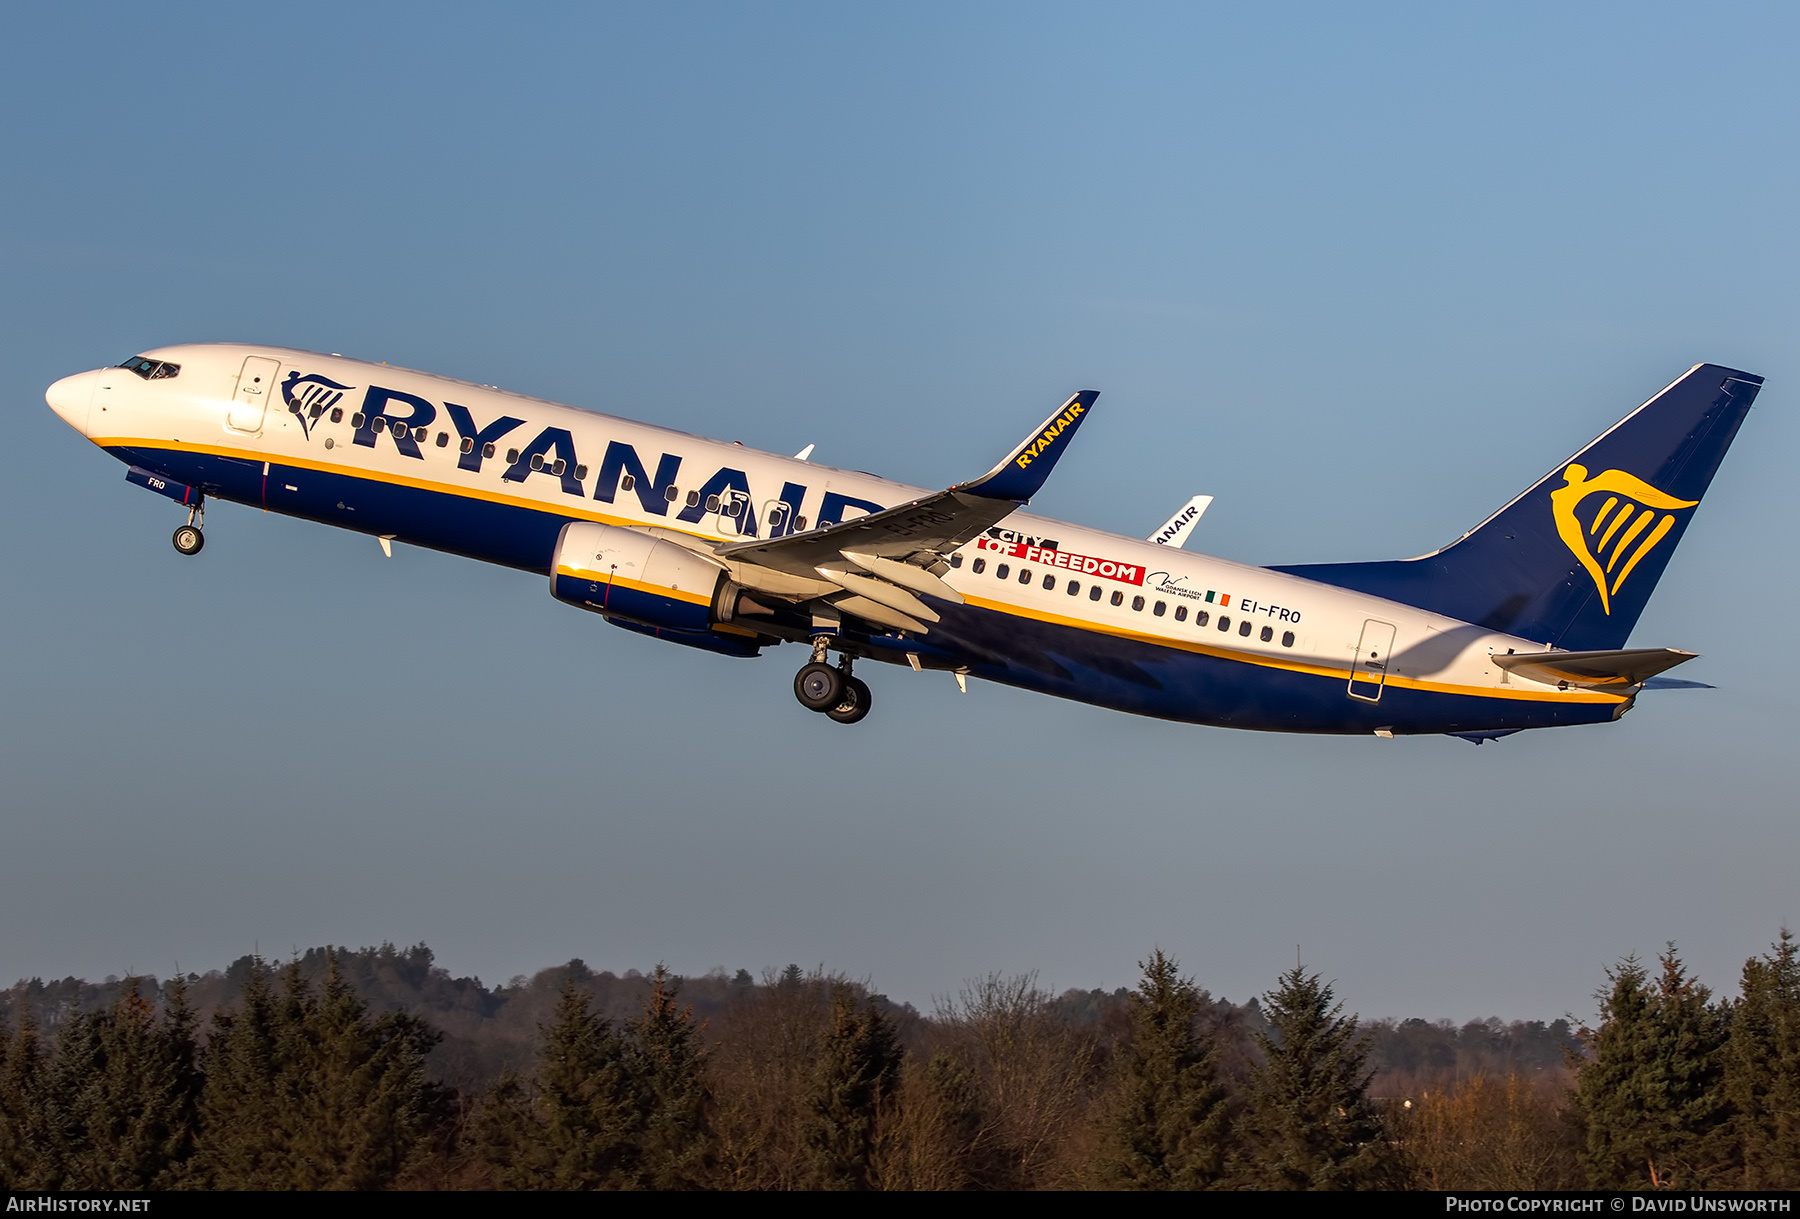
1520	623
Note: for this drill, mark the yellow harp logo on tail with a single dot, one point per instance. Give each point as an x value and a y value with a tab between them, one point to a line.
1626	523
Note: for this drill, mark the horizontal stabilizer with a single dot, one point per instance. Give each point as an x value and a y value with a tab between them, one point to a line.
1675	683
1629	667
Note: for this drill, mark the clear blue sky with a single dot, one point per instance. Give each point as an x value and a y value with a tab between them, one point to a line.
1362	272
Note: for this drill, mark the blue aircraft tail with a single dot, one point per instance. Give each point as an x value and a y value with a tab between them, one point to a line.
1573	560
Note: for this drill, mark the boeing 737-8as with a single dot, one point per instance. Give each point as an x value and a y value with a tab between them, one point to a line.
1520	623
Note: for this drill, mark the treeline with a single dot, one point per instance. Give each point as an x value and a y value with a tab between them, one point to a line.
294	1078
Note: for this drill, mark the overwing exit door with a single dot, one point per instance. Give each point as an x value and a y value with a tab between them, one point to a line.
1368	673
251	399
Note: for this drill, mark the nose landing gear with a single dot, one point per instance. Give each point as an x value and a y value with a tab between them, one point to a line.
837	693
188	539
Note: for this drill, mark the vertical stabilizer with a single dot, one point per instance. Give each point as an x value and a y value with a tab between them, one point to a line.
1573	561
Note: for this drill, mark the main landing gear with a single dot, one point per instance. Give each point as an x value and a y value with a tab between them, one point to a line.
188	538
819	687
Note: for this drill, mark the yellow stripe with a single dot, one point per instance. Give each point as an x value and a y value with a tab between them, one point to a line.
1656	535
578	510
1624	515
1292	666
1600	518
660	590
1637	527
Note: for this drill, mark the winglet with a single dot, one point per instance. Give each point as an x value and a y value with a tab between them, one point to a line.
1025	469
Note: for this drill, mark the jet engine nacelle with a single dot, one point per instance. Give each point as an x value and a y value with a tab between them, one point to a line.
623	573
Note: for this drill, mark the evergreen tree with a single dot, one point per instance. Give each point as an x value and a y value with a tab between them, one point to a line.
668	1063
858	1067
240	1117
30	1146
126	1086
307	1091
1167	1126
358	1084
577	1126
1762	1068
1653	1095
1310	1121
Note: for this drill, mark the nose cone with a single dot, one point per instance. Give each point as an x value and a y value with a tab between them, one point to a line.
72	396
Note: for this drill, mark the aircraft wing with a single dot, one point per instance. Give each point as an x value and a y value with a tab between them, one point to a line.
874	567
921	532
1622	668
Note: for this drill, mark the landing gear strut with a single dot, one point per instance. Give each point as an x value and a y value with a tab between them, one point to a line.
188	538
837	693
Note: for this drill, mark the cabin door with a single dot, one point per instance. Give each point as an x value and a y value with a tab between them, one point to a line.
1368	673
254	386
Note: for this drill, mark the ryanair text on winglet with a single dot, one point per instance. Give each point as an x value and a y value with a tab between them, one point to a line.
1049	435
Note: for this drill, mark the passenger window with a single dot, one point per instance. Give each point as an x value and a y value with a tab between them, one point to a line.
800	523
537	461
1074	587
1137	603
399	431
1181	613
580	471
979	566
487	450
693	499
467	445
1050	583
672	494
443	440
318	409
1268	633
1224	623
356	420
1118	598
1024	575
735	508
378	424
1158	608
559	467
1245	627
1002	571
956	560
627	482
1095	592
1287	639
512	457
337	414
1201	617
712	503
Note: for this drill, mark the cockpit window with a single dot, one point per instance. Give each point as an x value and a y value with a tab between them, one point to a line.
152	370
